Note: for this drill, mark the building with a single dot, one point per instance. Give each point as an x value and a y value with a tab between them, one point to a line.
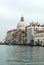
35	34
20	39
11	36
21	25
17	36
21	31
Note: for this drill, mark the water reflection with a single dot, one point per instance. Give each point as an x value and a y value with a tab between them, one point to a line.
21	55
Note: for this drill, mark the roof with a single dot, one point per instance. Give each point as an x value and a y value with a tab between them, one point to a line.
12	30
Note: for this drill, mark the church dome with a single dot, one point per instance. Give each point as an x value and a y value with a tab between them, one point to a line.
21	25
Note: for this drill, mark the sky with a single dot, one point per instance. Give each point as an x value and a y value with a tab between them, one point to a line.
12	10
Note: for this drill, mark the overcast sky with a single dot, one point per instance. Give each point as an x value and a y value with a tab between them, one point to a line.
11	11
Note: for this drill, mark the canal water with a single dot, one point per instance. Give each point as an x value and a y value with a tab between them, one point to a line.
21	55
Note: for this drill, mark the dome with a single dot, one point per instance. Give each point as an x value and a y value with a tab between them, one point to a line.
21	25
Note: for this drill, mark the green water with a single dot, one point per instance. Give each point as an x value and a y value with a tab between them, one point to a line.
21	55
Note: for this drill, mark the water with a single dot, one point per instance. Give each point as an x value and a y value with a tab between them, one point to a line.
21	55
